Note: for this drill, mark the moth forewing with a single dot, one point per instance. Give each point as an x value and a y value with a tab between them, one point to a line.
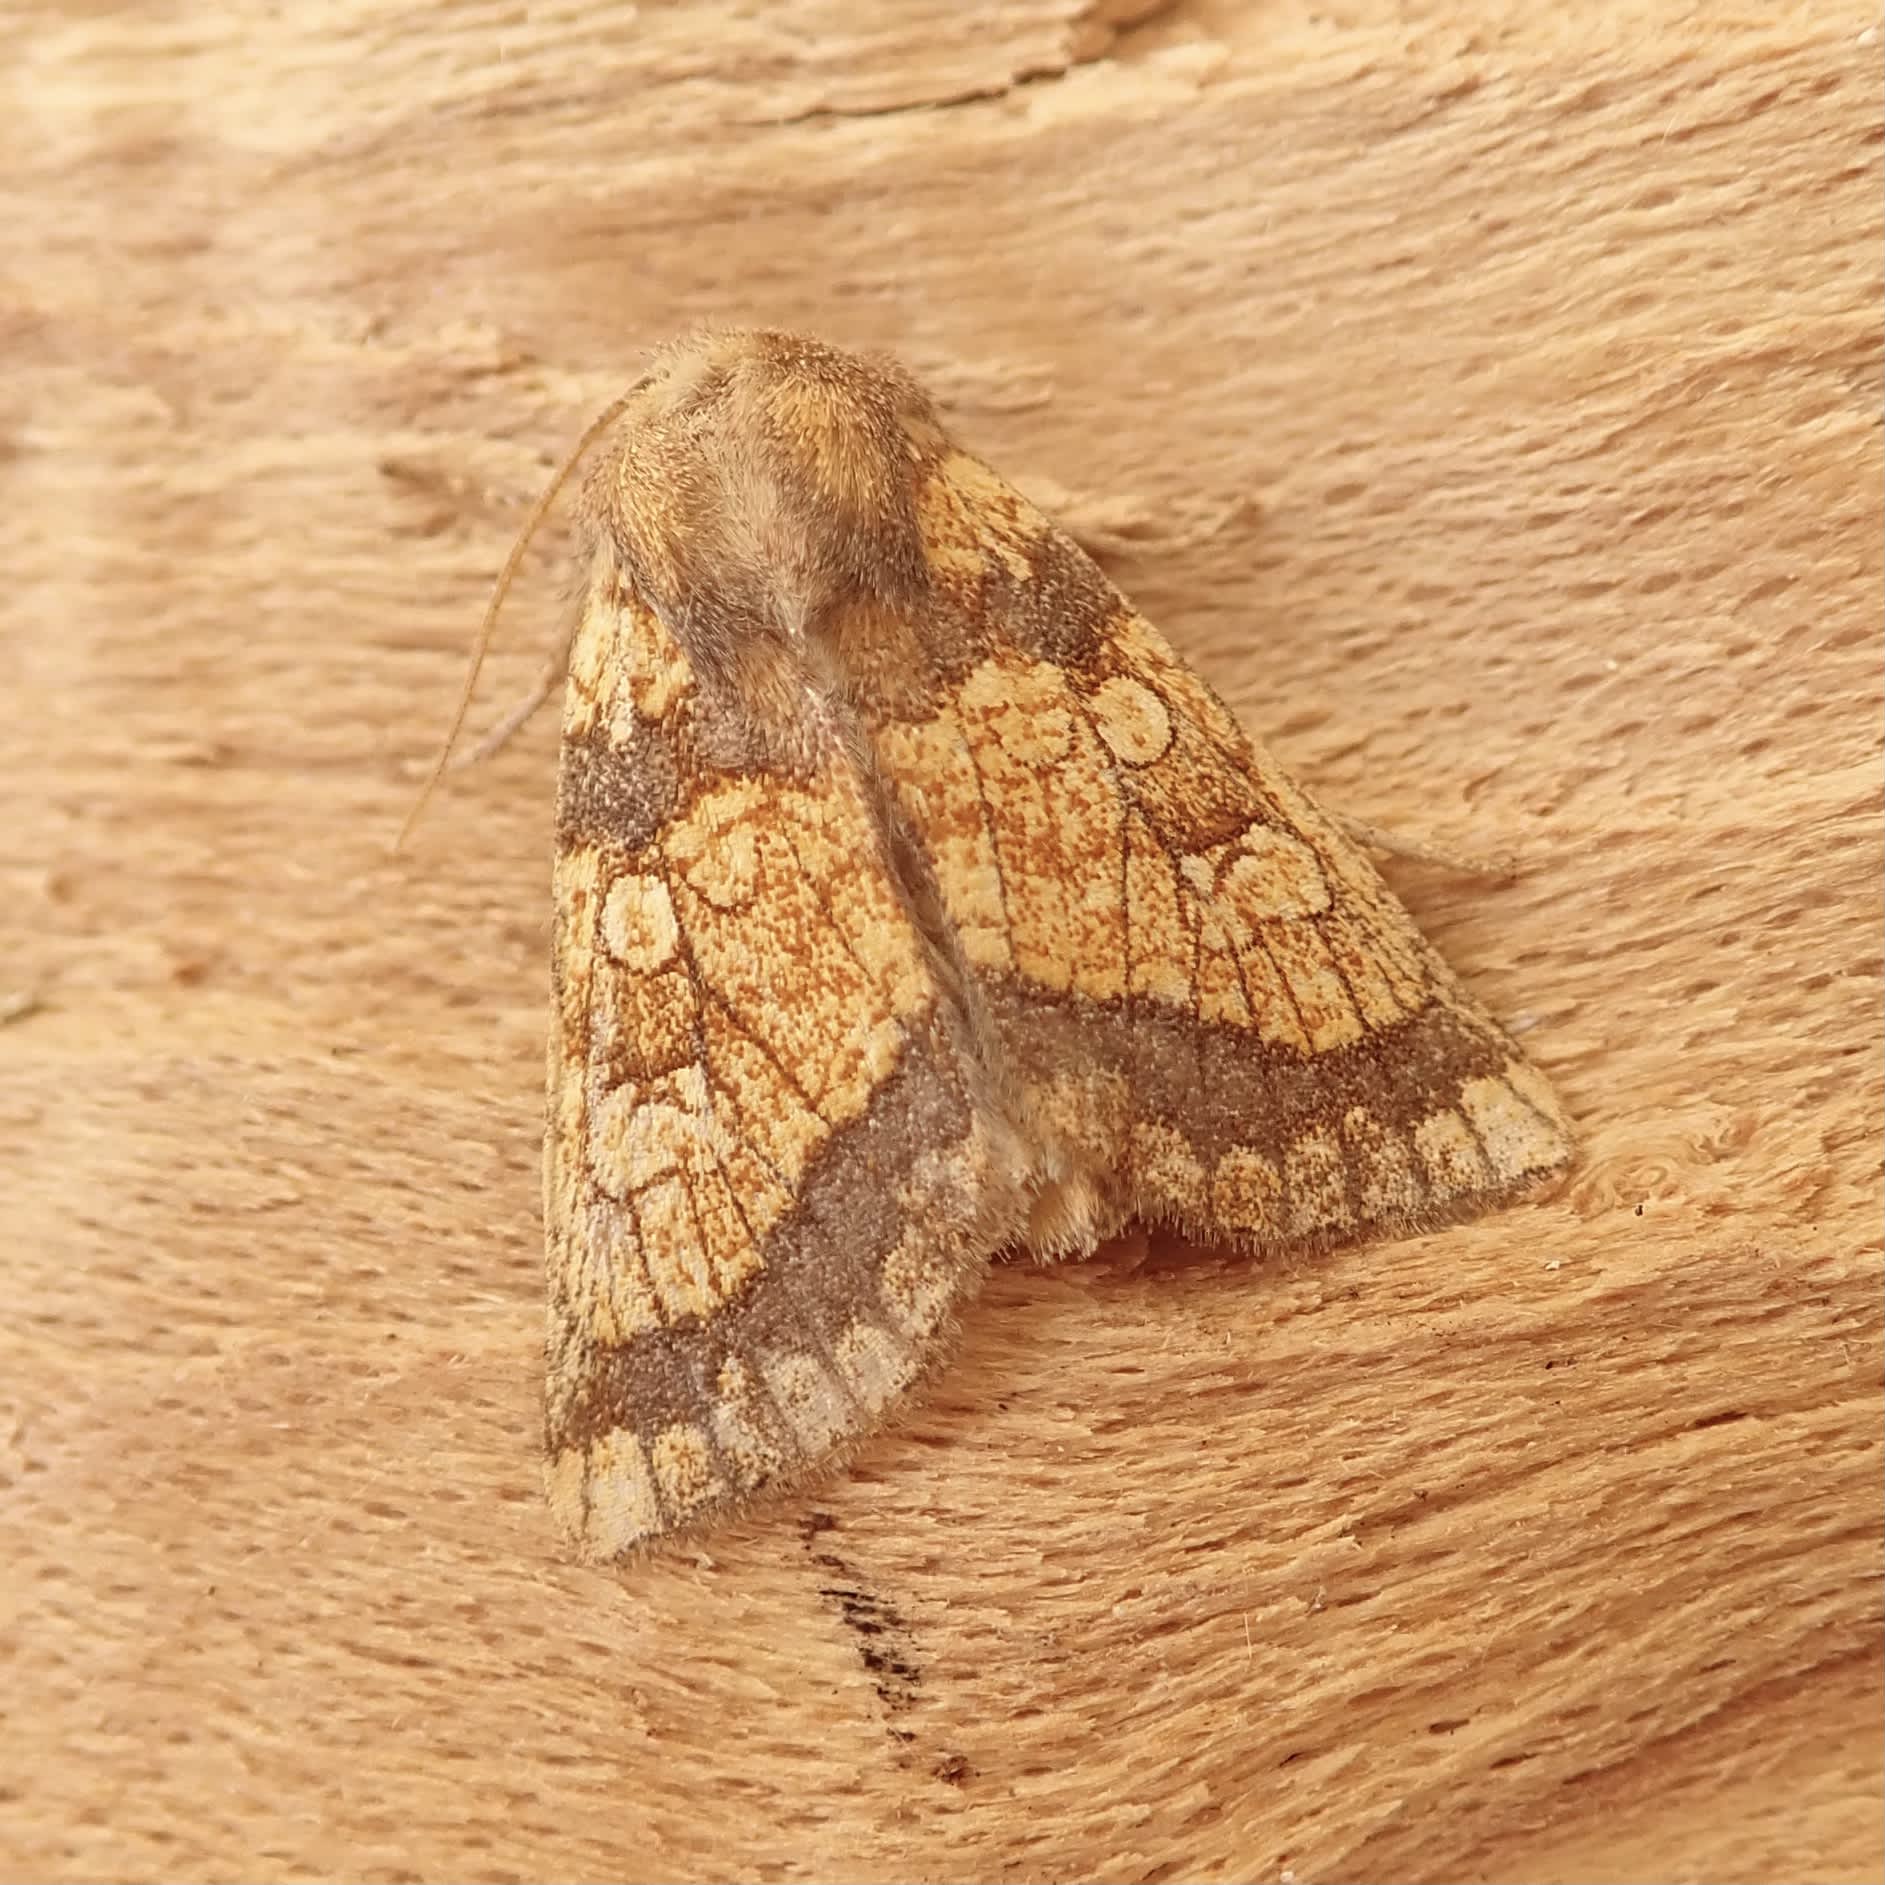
914	899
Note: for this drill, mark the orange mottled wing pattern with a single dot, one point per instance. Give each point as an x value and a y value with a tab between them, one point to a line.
913	899
767	1174
1209	1008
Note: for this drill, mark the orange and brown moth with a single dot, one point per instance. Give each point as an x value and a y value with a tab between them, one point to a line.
914	900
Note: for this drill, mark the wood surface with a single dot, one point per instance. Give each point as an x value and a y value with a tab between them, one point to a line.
1486	396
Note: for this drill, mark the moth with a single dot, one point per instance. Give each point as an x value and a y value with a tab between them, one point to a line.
913	900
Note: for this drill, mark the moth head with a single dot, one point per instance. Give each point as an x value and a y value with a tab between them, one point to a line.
759	483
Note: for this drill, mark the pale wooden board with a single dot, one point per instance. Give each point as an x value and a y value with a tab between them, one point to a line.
1488	398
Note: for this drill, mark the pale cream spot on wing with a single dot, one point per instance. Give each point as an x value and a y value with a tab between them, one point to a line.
814	1405
623	1508
636	1141
683	1466
1165	1169
611	1120
1184	692
1315	1172
1250	898
1449	1152
1385	1180
1513	1136
1270	874
875	1365
1012	557
1024	708
1247	1193
638	923
1131	719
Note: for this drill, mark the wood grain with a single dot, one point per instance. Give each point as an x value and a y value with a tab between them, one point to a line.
1487	398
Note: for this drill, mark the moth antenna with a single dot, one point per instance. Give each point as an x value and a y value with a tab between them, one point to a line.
538	511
